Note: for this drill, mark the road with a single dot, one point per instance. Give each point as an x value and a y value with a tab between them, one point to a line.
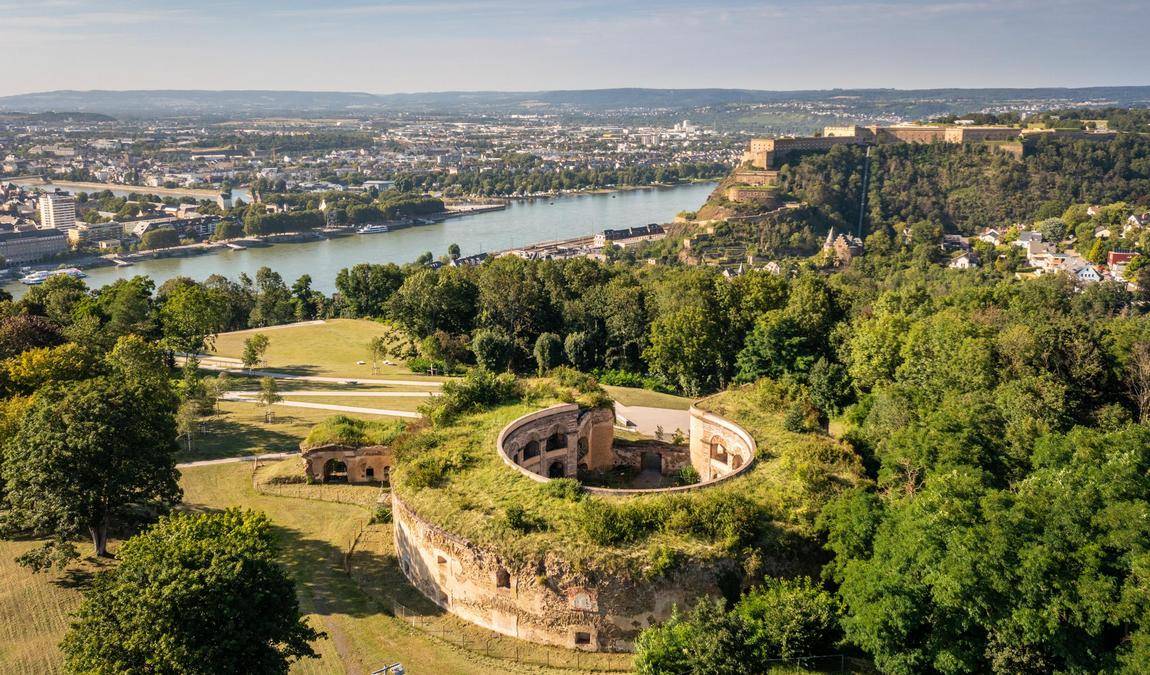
241	458
647	421
241	397
223	365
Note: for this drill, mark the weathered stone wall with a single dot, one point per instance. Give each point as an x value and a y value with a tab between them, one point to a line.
553	442
364	465
752	194
671	457
719	447
543	600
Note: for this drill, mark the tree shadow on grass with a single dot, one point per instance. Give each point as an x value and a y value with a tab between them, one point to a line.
330	582
292	369
232	438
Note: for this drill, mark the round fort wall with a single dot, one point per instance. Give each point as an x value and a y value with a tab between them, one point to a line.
556	441
545	600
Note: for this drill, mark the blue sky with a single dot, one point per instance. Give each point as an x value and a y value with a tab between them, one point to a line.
384	46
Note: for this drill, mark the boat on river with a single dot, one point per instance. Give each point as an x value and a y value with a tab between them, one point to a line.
373	229
40	276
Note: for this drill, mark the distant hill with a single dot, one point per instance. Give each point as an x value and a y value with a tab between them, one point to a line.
867	102
56	117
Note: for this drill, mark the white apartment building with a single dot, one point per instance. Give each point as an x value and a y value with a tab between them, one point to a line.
57	212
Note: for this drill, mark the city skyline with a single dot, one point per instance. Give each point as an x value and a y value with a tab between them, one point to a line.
513	45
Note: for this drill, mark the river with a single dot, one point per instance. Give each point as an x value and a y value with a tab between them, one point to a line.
523	222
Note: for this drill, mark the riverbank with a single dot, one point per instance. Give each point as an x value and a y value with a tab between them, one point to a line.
85	186
517	224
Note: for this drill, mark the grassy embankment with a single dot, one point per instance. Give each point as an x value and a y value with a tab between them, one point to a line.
793	476
349	597
645	397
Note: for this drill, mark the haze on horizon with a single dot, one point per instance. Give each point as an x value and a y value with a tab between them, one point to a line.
386	46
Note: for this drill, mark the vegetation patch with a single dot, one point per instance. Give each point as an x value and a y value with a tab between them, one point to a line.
451	475
354	432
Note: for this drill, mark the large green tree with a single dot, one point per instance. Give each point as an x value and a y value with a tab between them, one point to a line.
366	287
198	594
84	452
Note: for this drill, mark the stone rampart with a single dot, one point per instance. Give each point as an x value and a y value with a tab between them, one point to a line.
545	600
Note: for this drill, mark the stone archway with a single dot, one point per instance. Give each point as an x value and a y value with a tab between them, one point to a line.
557	469
718	450
334	471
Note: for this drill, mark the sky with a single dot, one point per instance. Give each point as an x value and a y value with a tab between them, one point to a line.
386	46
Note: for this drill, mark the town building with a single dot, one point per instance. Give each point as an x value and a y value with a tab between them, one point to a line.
629	235
32	245
57	211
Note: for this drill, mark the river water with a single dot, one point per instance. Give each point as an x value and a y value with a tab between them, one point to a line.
523	222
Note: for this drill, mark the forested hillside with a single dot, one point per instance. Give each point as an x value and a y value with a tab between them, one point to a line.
965	187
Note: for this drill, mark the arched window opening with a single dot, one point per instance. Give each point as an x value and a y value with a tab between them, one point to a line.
718	450
557	470
334	471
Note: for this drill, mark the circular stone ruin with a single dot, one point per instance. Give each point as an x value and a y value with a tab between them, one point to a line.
546	599
564	441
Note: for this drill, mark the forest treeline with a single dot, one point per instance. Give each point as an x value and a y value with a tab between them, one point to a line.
966	187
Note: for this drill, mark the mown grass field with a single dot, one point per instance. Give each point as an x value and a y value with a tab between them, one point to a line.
403	403
240	429
645	397
329	349
34	613
347	597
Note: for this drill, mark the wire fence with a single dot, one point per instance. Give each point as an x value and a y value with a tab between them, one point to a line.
506	649
828	663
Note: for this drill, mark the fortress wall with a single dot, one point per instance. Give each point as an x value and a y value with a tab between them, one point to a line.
364	465
719	447
574	437
545	600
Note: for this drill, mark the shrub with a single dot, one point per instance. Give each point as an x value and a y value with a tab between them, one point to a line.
687	476
492	349
381	515
518	519
548	352
610	524
788	618
479	389
426	366
797	419
567	489
661	562
344	430
579	349
623	378
431	471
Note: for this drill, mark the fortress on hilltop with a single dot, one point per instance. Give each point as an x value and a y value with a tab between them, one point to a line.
769	154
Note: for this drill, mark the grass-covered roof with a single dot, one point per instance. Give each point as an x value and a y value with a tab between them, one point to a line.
452	476
343	430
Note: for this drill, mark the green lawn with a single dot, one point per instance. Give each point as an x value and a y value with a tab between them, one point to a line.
405	403
329	349
246	383
240	429
645	397
34	612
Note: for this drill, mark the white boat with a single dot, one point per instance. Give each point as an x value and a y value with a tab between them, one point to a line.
74	272
34	278
372	229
